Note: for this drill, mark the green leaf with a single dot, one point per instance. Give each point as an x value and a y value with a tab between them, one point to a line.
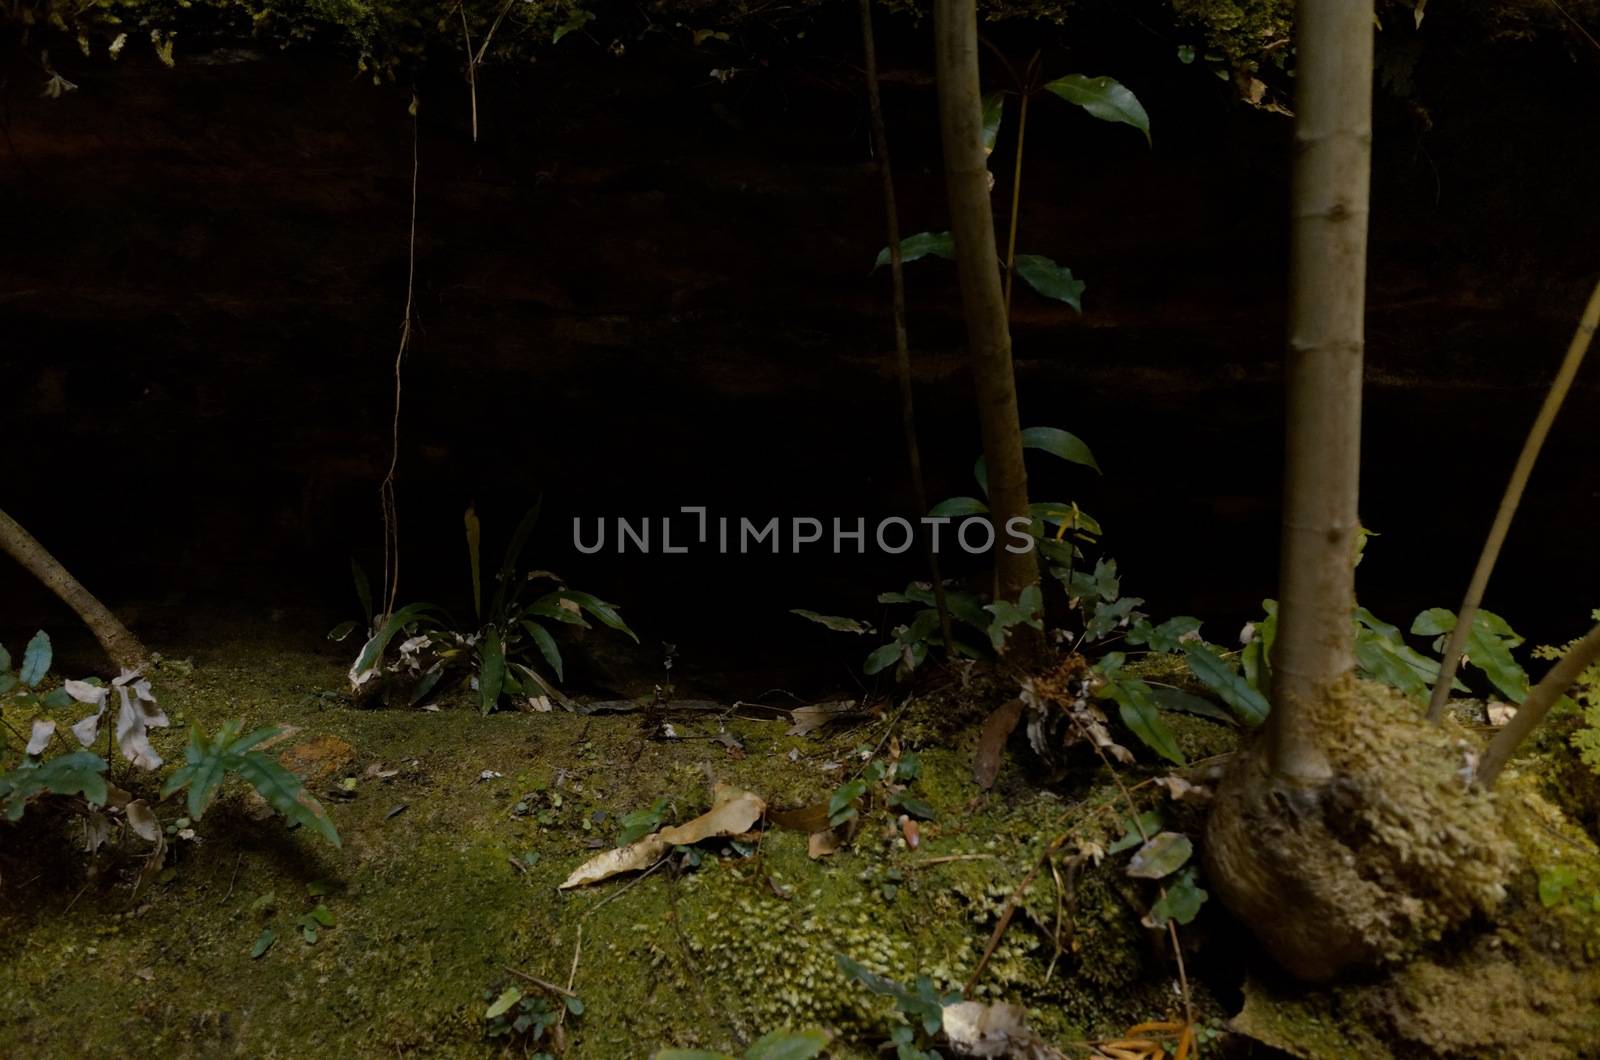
36	660
909	804
1051	440
575	1005
1489	647
1181	902
1149	825
363	589
1176	699
5	658
606	613
1104	98
691	1054
994	108
871	980
286	793
1163	855
491	669
341	631
57	699
1186	56
1139	714
960	507
1255	658
939	244
579	19
1104	619
1167	637
76	773
1248	704
1007	615
640	823
883	658
844	799
7	683
504	1002
833	622
321	915
1051	280
547	646
508	562
264	943
788	1045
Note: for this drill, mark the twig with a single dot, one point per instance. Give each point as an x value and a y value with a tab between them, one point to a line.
572	976
1576	349
902	356
543	984
928	863
1544	695
625	888
235	877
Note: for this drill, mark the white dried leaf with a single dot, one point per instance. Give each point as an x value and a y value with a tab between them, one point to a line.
1500	713
88	728
133	722
84	692
39	739
142	819
96	830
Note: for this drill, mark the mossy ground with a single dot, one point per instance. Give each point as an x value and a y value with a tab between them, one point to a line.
430	908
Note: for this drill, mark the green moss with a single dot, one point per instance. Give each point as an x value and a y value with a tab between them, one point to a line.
430	909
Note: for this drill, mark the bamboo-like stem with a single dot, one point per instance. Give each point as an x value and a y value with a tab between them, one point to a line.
1561	677
982	300
902	354
1016	201
1576	350
123	648
1328	267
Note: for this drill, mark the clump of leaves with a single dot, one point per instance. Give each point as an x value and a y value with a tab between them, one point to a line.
920	1008
511	654
525	1018
1586	694
209	761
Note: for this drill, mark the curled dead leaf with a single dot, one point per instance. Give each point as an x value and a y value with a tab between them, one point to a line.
823	844
733	812
997	728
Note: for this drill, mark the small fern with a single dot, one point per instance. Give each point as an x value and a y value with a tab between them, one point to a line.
208	762
1586	694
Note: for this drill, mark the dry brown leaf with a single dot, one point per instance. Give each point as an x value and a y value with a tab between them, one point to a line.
142	819
823	844
997	728
733	812
998	1030
817	715
808	819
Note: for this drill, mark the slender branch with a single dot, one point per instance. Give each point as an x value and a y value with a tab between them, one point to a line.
1576	350
124	649
902	355
1561	677
1016	201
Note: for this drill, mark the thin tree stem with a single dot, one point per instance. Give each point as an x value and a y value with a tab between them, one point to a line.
1016	201
1576	350
982	299
902	355
123	648
1561	677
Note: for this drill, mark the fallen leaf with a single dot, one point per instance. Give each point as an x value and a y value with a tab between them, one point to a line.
909	829
1182	790
997	728
143	820
823	844
998	1030
1500	713
815	716
808	819
733	812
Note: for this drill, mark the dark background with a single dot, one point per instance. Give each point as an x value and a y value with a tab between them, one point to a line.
644	288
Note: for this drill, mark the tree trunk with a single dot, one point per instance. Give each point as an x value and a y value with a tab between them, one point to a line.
121	645
955	24
1328	269
1278	850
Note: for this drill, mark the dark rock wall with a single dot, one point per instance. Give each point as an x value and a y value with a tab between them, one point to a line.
643	288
